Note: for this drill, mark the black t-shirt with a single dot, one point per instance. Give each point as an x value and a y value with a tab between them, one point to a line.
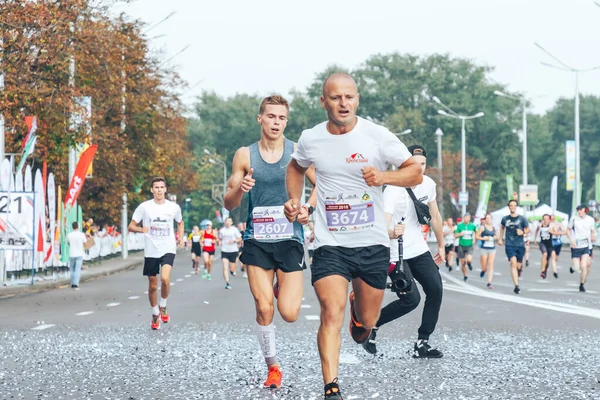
512	224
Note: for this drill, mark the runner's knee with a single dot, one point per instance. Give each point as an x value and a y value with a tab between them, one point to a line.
264	310
288	313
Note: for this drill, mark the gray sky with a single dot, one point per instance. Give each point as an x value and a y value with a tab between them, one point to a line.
264	46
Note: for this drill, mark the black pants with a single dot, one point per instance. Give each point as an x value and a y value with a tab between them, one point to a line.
426	272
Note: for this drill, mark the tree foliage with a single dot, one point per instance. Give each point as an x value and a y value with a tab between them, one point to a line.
112	64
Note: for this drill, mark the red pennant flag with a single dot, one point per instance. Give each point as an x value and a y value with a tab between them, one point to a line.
79	176
40	235
31	128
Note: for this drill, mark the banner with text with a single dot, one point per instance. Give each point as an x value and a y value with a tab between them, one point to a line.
570	163
16	221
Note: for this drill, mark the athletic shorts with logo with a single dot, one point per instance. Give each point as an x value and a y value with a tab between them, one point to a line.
287	255
463	251
515	251
232	257
152	265
369	263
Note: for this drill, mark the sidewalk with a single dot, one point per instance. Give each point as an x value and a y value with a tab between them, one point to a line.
91	270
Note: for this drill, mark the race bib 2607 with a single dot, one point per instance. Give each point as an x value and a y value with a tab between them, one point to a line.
271	223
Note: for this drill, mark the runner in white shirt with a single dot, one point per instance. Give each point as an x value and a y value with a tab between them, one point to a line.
351	156
449	242
418	261
76	240
156	217
230	238
581	231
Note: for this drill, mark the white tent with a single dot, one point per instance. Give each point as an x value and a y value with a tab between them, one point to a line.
498	214
546	209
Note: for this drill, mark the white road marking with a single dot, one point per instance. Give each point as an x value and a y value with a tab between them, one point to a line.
41	327
172	284
187	276
560	290
133	297
497	274
179	280
346	358
312	317
84	313
146	292
305	306
112	304
548	305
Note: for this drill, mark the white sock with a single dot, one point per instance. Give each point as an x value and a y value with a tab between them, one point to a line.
155	310
266	340
162	302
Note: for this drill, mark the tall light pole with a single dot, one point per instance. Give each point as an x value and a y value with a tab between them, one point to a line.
440	195
187	222
524	128
213	161
565	67
463	159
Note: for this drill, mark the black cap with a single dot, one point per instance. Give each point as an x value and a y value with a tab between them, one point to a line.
581	207
417	150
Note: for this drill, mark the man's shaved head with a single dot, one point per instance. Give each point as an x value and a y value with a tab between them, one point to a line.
337	77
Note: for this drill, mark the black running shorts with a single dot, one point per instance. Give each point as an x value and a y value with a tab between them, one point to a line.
152	265
210	253
287	255
196	249
578	253
449	248
367	263
232	257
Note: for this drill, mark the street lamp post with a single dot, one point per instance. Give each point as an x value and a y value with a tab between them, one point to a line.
524	128
463	159
213	161
576	71
187	222
440	195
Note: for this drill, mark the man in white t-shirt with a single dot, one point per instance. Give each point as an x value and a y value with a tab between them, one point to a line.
351	156
581	233
76	241
230	239
156	217
418	261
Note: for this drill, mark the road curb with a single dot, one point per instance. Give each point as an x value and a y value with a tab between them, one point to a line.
46	286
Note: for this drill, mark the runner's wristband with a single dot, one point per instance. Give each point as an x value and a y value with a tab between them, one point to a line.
309	208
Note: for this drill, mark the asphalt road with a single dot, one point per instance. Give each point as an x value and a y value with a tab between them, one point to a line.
96	343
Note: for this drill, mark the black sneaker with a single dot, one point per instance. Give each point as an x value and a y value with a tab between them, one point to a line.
517	290
332	390
470	266
543	275
450	268
571	270
371	344
581	288
482	274
556	275
424	350
465	278
527	263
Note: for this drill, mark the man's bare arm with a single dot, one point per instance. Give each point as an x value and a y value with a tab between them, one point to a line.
240	167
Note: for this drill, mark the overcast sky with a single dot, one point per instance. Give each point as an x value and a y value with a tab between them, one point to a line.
260	46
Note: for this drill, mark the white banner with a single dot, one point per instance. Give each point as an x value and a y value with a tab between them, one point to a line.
16	221
51	192
27	180
5	174
19	181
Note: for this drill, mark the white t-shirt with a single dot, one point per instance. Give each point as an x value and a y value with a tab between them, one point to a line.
76	239
582	228
227	235
398	203
448	232
349	213
160	239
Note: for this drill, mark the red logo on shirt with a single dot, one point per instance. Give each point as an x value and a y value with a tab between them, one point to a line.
356	157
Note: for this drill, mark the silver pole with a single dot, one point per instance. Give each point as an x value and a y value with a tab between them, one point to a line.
440	168
72	154
463	164
525	180
124	230
577	192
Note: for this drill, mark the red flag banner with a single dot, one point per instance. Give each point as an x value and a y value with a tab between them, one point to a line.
79	176
31	122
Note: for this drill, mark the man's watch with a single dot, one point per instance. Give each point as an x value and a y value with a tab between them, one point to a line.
309	208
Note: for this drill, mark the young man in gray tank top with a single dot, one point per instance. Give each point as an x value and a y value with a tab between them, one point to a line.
272	245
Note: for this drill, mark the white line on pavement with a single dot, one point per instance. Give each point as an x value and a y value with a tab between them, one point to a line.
84	313
133	297
112	304
41	327
548	305
172	284
179	280
559	290
312	317
187	276
305	306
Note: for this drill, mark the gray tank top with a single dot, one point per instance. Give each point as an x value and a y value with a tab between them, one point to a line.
270	188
